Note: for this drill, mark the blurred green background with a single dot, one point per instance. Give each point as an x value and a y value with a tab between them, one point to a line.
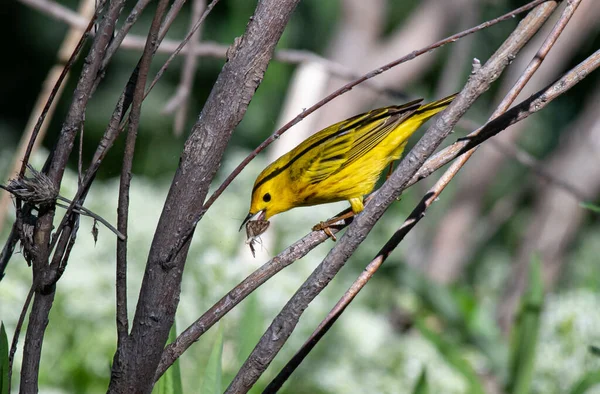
405	321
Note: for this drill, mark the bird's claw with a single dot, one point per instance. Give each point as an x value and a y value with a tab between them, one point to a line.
324	226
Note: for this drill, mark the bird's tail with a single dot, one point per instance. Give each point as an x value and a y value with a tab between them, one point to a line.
428	110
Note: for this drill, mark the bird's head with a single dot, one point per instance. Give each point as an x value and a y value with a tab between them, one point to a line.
270	196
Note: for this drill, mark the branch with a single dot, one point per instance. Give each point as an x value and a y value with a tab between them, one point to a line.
125	180
15	339
42	272
180	100
191	334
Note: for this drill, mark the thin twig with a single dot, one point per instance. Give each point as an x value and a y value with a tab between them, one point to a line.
177	247
180	100
63	75
125	181
15	339
81	210
285	322
192	31
122	33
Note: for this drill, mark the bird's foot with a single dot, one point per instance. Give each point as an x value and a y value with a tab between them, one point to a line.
325	227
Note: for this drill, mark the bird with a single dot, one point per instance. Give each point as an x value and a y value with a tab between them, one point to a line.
341	162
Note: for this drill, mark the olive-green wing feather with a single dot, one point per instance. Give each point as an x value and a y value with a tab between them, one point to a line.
354	138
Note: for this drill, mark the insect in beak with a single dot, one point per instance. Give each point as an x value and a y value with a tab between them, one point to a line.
259	216
254	228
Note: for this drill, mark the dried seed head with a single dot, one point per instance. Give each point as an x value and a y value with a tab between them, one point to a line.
36	188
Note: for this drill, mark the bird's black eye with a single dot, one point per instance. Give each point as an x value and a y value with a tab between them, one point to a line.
267	197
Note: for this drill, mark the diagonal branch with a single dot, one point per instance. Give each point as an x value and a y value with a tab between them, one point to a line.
180	100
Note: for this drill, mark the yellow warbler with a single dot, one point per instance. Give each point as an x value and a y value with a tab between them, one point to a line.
340	162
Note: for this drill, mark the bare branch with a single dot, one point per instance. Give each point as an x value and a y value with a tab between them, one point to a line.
122	33
191	334
43	277
15	339
180	101
192	31
125	181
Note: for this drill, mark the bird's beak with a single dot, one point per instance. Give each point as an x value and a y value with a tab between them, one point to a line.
259	215
246	220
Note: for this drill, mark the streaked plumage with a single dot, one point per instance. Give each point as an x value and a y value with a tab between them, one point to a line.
340	162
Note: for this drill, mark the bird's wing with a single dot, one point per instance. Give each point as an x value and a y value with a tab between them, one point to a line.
343	143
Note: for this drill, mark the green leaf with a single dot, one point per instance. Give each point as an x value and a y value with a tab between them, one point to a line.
213	372
525	332
590	206
251	327
588	381
452	354
170	382
422	387
595	350
4	383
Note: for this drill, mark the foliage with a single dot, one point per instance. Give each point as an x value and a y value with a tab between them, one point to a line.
4	350
526	332
170	382
212	382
